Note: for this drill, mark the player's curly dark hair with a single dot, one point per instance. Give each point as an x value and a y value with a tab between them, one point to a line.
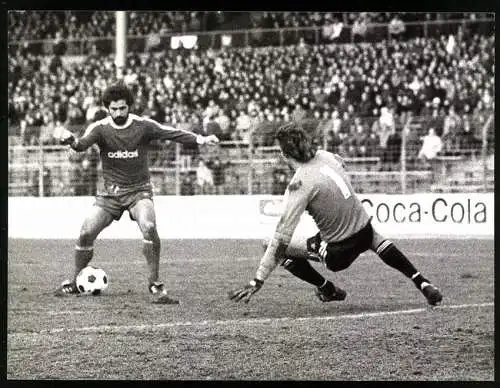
295	142
115	92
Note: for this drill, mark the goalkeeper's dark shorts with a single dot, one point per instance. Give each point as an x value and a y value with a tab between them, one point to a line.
339	255
116	205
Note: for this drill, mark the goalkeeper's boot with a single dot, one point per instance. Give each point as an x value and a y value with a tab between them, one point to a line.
67	288
431	293
159	292
330	292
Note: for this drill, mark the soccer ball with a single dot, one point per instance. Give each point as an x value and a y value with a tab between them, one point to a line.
91	281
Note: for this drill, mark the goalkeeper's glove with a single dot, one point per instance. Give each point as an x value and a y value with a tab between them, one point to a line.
245	293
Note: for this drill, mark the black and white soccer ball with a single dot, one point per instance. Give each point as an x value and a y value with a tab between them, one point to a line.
91	281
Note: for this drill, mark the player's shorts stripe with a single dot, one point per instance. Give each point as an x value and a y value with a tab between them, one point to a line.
383	246
147	241
322	249
79	248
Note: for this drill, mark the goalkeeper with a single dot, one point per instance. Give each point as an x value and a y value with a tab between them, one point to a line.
321	186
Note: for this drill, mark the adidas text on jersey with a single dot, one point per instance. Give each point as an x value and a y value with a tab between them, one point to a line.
123	154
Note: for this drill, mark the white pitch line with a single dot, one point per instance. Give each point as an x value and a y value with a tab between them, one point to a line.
242	258
70	312
256	321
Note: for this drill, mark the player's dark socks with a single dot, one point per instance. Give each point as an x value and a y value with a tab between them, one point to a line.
83	255
393	257
302	269
418	279
151	251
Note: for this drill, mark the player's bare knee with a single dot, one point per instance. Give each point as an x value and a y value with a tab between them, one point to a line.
86	237
149	231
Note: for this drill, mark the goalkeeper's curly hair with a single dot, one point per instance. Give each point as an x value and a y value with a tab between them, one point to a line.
295	142
115	92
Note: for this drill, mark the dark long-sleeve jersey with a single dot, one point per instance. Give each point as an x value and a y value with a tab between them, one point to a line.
322	187
124	150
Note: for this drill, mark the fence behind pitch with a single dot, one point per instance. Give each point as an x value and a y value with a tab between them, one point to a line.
377	162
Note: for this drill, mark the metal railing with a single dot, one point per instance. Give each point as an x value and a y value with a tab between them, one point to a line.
255	167
255	37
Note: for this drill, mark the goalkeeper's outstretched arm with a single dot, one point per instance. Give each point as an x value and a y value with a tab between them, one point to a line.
274	256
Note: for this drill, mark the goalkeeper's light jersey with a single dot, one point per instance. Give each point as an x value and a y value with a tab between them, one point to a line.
124	150
322	187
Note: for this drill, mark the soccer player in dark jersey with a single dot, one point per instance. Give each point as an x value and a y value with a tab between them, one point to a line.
321	186
123	140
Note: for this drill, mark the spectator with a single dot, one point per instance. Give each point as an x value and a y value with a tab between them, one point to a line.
358	140
218	169
412	146
431	146
92	108
212	126
450	140
365	106
392	153
372	144
243	124
75	114
204	178
397	27
333	141
280	181
452	121
47	130
187	184
384	127
29	134
332	30
360	27
469	144
99	115
130	78
223	120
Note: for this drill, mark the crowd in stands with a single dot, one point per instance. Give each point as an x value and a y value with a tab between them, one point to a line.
356	97
36	25
357	93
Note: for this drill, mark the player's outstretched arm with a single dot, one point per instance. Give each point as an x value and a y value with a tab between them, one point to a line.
296	199
66	137
166	132
63	136
274	255
210	139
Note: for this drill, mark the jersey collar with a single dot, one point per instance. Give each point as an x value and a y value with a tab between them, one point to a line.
114	125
